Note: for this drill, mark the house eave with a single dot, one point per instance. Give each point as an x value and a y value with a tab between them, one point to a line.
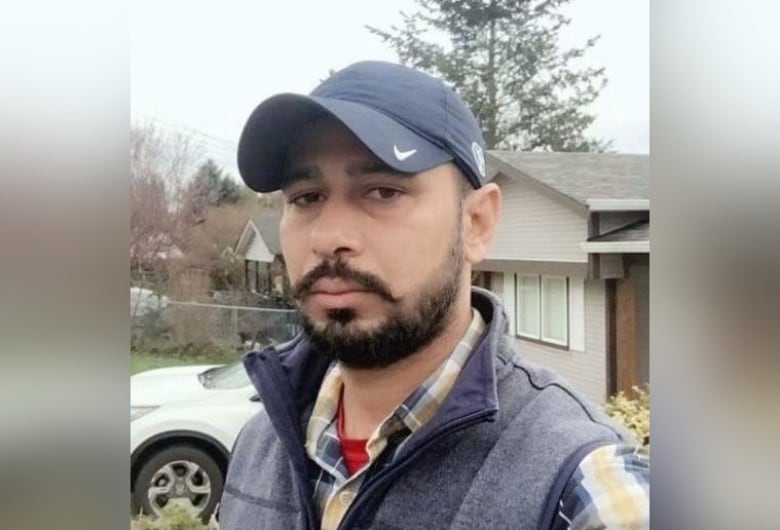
618	205
243	240
512	265
616	247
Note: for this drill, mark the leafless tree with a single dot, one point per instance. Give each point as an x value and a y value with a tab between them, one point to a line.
160	162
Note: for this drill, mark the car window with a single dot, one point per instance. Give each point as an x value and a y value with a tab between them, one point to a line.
231	375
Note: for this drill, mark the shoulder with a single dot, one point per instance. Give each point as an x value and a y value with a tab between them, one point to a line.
531	392
609	489
257	452
255	434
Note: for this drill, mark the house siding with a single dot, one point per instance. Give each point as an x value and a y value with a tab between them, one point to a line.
584	369
534	226
611	266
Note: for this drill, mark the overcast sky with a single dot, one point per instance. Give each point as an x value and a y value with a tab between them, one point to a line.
202	66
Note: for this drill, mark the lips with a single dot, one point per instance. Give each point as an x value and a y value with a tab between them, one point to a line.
335	286
334	293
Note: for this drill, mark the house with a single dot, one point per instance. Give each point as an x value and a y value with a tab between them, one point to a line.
261	251
570	261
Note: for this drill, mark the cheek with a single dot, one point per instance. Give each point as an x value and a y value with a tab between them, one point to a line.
293	250
419	252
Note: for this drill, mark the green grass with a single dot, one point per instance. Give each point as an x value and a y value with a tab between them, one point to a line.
142	361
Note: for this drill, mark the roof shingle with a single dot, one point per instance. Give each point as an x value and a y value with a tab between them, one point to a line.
268	226
581	176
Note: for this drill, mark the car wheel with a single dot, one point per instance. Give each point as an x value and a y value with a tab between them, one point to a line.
182	475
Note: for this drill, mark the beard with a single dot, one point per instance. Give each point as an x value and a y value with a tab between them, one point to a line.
408	327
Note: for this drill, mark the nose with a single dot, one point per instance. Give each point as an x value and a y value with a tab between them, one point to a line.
335	232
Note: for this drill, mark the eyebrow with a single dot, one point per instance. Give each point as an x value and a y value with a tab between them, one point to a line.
358	168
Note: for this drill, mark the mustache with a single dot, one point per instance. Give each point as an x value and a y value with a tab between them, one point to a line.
339	269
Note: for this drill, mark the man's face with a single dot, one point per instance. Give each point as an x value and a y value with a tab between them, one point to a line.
375	257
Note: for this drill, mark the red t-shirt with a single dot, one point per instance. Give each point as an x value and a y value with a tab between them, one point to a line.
353	450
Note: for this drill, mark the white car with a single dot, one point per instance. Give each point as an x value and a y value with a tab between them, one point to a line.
144	301
183	423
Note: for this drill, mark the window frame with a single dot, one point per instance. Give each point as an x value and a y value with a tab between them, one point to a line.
550	340
518	332
540	338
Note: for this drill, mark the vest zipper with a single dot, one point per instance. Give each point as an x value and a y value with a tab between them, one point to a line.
386	474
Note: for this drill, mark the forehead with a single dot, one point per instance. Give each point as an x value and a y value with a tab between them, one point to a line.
325	134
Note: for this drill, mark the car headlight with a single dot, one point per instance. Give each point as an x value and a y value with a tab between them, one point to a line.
137	412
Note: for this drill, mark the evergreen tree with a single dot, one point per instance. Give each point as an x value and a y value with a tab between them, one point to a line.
209	187
217	187
503	59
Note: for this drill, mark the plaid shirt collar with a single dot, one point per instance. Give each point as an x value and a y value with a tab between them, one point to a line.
322	442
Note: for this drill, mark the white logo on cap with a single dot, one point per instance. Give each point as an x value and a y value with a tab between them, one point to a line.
479	157
403	155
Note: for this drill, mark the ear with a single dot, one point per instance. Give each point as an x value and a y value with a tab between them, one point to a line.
481	209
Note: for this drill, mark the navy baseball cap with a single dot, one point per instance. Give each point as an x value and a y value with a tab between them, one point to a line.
410	120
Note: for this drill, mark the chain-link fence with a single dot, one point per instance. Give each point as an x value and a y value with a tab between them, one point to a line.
172	324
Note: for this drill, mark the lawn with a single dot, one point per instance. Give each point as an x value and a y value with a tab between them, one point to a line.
142	361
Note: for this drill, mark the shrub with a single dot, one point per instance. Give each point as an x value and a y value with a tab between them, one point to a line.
633	412
174	517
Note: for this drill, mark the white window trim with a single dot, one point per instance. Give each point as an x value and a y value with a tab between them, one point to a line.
509	300
576	313
551	340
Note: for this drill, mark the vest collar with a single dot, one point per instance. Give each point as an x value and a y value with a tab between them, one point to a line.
287	377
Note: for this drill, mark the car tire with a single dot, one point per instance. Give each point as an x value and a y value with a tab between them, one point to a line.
180	474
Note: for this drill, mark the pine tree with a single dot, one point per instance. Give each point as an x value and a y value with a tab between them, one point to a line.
503	59
209	187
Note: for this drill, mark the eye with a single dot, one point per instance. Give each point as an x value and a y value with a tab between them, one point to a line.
306	199
384	194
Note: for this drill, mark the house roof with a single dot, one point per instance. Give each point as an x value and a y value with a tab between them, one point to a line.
639	231
634	238
579	176
264	226
268	227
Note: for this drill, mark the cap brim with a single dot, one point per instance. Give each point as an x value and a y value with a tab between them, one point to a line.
275	123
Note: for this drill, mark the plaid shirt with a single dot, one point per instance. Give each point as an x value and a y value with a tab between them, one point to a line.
608	485
609	489
334	488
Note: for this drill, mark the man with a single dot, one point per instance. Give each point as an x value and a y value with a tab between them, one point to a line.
403	404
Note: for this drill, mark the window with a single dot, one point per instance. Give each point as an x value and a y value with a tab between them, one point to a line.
528	306
554	310
542	309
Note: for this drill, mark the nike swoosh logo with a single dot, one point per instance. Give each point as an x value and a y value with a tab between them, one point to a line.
403	155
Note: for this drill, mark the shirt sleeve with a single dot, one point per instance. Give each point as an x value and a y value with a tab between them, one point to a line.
609	489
